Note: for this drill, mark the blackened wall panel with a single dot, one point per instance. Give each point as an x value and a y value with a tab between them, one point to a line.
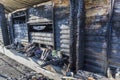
62	29
41	16
95	35
41	13
115	55
42	38
21	31
4	37
19	26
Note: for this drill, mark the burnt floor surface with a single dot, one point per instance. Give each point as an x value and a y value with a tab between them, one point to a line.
12	70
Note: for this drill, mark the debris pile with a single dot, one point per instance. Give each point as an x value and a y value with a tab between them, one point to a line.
34	76
85	75
48	55
12	70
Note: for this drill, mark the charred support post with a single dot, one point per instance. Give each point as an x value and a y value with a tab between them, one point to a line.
3	25
53	18
72	59
80	35
77	21
109	36
74	5
10	28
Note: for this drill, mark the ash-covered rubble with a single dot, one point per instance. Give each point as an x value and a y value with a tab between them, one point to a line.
85	75
30	76
12	70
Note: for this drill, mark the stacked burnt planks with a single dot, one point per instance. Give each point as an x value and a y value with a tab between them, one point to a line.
19	19
42	38
62	29
95	35
24	31
41	15
65	39
115	47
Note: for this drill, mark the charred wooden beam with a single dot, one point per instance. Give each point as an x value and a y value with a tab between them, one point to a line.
10	28
74	5
80	35
53	26
109	35
3	25
73	13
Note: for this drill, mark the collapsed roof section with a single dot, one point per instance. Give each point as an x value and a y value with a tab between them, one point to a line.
12	5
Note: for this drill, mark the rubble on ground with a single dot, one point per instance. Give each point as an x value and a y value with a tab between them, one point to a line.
12	70
85	75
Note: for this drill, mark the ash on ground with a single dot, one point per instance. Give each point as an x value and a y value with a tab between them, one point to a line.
85	75
12	70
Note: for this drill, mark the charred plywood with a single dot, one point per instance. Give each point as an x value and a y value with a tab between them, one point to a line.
62	29
95	30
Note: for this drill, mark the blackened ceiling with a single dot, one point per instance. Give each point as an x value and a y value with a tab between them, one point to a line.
12	5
